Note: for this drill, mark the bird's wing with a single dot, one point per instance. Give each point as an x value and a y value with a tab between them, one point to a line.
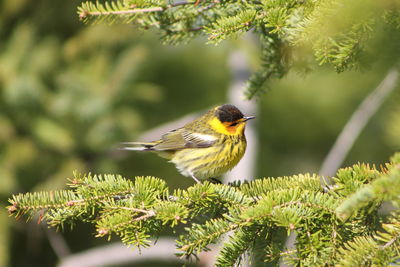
181	138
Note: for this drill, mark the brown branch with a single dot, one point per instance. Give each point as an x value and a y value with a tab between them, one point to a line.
100	197
147	214
388	244
133	209
84	14
150	213
288	252
310	205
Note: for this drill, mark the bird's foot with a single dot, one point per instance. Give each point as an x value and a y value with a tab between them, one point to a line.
214	180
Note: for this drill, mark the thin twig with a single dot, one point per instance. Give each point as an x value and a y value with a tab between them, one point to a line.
312	205
123	12
132	209
388	244
147	214
86	13
145	217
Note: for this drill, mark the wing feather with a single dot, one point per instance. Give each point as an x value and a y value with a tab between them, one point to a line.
181	138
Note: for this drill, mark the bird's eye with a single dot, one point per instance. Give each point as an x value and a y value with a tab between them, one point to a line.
234	124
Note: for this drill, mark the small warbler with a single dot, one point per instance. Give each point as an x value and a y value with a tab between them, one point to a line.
204	148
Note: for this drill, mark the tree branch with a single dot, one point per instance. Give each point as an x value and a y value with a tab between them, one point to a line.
86	13
357	122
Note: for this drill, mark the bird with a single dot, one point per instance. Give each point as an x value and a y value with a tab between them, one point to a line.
205	148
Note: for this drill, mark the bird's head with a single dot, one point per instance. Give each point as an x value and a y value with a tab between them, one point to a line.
228	119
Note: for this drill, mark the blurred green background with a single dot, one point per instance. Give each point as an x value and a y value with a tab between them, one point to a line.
69	93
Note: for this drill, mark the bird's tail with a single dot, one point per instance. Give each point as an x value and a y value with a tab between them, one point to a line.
138	146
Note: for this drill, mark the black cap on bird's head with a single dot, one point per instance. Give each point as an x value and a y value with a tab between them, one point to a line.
228	113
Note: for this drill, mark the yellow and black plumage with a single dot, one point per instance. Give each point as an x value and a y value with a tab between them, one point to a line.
206	147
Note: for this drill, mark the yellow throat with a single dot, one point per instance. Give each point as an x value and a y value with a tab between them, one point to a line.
224	128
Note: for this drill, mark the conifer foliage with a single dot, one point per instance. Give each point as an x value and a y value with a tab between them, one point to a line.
335	225
292	33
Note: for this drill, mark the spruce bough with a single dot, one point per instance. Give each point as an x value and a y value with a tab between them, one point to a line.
335	225
293	34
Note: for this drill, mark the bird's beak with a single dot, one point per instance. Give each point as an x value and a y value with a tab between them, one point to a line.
248	118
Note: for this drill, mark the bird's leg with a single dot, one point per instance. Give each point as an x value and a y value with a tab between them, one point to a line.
194	178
